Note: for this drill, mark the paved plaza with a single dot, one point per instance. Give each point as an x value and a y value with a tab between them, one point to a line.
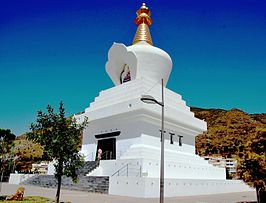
84	197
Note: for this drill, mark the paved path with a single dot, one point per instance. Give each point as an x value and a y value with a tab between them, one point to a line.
84	197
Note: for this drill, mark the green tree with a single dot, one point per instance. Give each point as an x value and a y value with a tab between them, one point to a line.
6	141
60	137
252	164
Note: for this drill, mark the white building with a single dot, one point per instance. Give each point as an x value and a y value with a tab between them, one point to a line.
229	163
127	130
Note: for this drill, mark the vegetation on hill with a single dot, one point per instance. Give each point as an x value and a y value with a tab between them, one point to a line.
236	134
227	132
259	117
27	153
18	154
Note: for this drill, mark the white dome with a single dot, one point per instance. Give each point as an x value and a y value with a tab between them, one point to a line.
141	59
152	62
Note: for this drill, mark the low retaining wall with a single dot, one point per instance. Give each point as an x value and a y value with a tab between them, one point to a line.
17	178
149	187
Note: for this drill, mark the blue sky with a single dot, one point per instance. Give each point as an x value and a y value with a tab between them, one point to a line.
57	50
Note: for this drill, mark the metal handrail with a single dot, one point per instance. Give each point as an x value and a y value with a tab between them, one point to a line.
104	155
139	173
125	166
118	172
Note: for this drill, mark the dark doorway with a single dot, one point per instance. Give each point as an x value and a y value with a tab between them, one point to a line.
108	147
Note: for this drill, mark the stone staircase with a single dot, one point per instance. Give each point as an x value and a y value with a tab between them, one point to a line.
87	168
98	184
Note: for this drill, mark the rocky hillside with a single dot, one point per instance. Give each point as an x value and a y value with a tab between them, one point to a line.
227	130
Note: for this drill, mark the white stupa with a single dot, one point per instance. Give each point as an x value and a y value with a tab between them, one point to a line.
128	130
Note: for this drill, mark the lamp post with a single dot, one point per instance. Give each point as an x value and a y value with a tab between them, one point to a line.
151	100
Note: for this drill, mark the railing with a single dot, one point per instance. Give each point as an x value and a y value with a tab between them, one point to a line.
139	174
121	169
107	155
129	170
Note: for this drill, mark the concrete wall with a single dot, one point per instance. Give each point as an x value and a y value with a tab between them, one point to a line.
151	168
109	167
149	187
17	178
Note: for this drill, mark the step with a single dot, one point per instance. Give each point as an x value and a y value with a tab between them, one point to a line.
98	184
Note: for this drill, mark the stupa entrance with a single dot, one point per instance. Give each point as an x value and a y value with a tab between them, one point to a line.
108	147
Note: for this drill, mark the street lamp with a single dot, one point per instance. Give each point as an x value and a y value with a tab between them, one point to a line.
151	100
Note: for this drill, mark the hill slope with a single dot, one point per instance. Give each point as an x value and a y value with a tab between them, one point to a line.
227	130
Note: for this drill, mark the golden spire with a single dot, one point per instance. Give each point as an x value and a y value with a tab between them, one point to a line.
143	21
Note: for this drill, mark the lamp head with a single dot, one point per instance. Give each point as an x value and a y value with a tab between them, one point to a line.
148	99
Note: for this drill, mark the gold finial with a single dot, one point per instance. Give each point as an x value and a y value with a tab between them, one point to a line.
143	21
